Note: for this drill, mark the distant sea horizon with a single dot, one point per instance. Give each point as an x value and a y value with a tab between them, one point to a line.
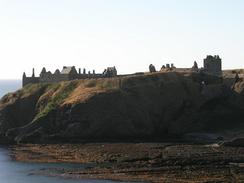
9	85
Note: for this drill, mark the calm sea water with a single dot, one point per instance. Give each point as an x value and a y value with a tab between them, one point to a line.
7	86
19	172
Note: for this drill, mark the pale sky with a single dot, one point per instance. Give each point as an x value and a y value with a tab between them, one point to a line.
128	34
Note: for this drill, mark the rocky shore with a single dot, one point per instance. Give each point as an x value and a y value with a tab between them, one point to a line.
144	162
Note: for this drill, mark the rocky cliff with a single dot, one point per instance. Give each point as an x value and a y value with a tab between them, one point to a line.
151	107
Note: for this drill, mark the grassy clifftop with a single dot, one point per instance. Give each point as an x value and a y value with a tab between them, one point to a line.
58	94
147	107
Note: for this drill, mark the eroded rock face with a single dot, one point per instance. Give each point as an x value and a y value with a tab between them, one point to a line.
150	107
18	109
237	142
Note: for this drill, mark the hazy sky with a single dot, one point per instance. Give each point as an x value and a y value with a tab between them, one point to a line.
129	34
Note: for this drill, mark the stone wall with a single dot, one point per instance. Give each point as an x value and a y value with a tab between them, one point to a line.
54	78
30	80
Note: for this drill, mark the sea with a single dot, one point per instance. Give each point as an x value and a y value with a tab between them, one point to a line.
7	86
22	172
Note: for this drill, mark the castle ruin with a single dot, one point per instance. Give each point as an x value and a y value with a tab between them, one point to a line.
212	65
67	74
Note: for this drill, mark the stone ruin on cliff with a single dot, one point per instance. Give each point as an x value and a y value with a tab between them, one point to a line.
67	74
211	65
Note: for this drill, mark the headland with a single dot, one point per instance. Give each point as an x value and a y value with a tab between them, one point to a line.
141	126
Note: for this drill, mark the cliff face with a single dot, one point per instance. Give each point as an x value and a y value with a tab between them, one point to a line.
150	107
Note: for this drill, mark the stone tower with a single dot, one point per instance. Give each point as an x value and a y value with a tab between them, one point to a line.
213	65
33	72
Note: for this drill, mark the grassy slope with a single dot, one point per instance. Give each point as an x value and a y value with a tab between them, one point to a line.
58	94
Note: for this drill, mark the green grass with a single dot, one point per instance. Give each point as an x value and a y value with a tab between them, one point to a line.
57	99
62	92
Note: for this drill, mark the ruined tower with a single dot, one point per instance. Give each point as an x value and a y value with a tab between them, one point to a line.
33	72
213	65
24	79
